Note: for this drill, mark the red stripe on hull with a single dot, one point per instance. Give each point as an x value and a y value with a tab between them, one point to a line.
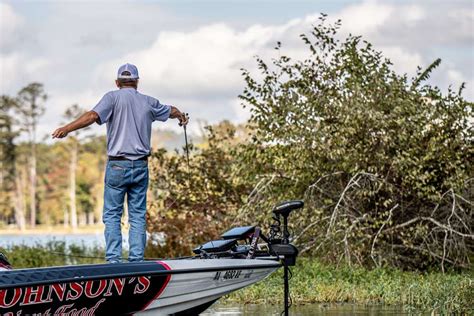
168	277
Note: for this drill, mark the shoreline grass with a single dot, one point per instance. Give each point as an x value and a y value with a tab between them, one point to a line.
312	282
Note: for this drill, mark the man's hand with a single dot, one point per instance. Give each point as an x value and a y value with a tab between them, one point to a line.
60	133
183	119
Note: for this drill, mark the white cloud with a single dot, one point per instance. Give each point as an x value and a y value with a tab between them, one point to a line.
413	14
204	62
10	26
456	78
403	60
414	35
17	70
364	18
465	20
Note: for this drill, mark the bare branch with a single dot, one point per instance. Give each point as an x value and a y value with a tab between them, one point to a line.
421	218
378	233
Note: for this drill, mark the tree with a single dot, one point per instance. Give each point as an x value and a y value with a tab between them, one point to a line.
11	195
384	163
93	163
72	113
31	108
7	153
53	183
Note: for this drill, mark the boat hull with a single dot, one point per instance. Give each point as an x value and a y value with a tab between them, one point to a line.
157	287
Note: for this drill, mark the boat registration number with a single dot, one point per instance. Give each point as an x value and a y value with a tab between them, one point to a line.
228	275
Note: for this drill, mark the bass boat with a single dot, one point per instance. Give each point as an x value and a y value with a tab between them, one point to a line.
182	286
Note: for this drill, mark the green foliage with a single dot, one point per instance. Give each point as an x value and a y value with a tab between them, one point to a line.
53	178
31	107
315	282
384	164
53	253
7	155
191	206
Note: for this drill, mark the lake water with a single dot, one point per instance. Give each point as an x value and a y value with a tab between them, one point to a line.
305	310
89	239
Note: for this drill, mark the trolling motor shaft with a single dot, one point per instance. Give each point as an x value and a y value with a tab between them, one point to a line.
282	247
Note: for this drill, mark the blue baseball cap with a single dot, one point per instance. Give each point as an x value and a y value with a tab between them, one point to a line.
127	71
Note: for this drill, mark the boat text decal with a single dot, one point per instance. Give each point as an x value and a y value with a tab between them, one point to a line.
81	298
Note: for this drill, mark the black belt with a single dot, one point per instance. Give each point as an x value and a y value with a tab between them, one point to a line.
112	158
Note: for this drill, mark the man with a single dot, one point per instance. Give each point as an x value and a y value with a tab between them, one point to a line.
128	115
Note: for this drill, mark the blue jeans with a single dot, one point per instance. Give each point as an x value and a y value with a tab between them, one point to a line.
131	178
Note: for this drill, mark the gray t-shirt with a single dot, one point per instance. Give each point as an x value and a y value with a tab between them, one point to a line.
129	115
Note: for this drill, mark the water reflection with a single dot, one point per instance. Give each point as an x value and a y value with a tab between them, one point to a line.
305	310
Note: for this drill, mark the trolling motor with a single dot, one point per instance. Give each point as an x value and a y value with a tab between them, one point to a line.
278	242
281	247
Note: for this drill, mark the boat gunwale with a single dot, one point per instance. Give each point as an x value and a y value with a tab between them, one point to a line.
271	264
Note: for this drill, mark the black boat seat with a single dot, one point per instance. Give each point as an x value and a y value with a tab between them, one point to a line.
285	208
216	246
239	233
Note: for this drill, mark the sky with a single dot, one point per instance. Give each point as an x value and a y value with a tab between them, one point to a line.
190	53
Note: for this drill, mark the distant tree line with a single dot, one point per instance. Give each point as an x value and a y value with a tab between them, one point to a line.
45	183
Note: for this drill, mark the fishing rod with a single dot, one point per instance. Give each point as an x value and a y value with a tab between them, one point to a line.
186	139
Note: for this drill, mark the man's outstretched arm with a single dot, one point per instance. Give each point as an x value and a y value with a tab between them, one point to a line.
84	120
